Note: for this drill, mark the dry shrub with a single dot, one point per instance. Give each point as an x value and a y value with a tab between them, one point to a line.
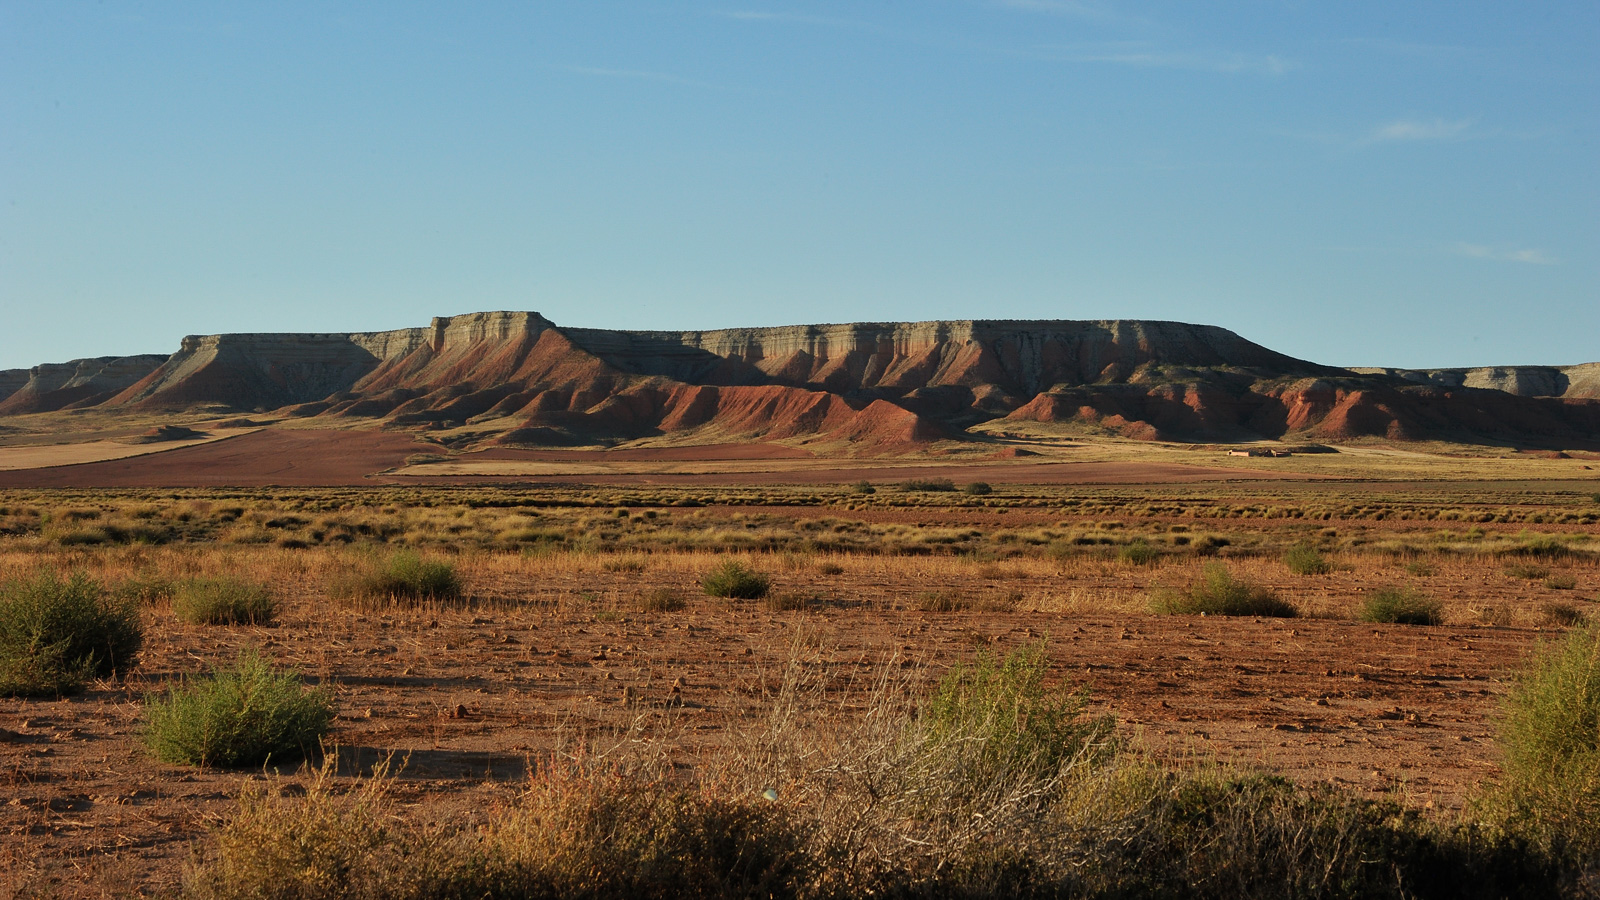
1218	593
949	601
401	577
1561	582
223	601
1560	615
664	599
1401	606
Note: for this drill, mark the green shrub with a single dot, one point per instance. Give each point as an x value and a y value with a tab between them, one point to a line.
1540	546
402	576
1550	739
1139	553
735	580
928	484
1002	721
1304	559
244	715
223	601
1218	593
1401	606
56	635
978	489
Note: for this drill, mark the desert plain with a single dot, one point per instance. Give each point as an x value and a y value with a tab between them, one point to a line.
582	628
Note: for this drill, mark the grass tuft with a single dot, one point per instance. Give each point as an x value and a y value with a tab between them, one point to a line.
244	715
1218	593
403	576
735	580
1401	606
56	635
223	601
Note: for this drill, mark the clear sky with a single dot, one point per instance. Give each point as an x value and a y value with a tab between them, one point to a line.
1357	183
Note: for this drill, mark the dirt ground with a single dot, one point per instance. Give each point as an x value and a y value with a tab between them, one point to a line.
551	653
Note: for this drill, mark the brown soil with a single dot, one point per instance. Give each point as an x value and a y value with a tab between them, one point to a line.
270	457
466	697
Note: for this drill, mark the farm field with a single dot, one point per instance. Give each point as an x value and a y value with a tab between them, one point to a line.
582	629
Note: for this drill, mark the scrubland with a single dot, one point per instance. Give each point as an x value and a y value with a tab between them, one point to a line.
535	692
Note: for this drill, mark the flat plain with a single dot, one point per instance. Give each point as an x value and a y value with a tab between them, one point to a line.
563	640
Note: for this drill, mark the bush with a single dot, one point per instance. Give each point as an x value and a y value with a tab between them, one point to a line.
56	635
928	484
1561	582
1304	559
223	601
1000	718
1218	593
1524	570
244	715
1139	553
1401	606
402	576
145	590
1550	738
791	601
978	489
1561	615
955	601
863	487
662	600
734	580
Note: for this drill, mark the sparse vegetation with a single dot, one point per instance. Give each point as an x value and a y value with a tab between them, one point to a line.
663	599
1560	615
932	485
1304	559
959	601
1139	553
1401	606
223	601
734	580
1218	593
403	576
245	714
1551	742
56	634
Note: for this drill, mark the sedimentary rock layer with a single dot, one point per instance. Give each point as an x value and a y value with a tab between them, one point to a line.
517	378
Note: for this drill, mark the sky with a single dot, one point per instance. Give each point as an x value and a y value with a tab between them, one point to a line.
1355	183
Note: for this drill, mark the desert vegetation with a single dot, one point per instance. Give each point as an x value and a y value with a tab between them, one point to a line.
796	691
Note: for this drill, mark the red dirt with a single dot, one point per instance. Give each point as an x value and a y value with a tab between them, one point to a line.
261	458
1037	473
1373	707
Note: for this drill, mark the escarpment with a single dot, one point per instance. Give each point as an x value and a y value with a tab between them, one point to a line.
518	379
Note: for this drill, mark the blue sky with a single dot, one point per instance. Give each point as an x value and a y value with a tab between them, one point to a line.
1354	183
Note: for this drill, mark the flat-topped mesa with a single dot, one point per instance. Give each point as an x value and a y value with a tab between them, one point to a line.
1578	382
1017	357
75	384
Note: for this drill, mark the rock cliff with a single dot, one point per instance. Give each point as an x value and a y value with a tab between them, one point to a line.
517	378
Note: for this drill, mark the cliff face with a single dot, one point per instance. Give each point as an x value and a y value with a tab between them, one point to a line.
75	384
517	378
1581	382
